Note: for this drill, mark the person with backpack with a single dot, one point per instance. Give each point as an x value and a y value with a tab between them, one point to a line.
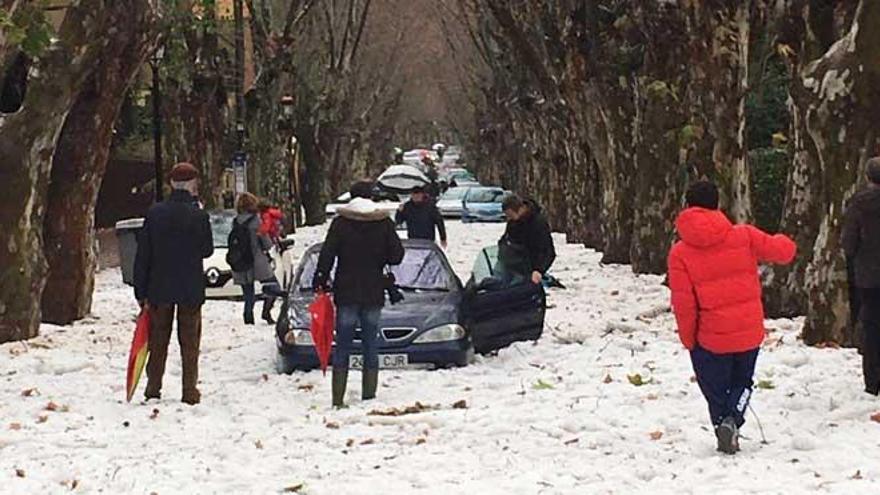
169	278
361	242
716	298
247	254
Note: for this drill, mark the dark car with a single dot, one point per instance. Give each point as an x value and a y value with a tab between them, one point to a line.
439	324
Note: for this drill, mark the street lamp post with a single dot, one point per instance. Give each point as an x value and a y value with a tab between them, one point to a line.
155	61
287	108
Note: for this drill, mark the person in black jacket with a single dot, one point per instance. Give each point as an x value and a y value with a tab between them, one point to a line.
861	244
361	242
527	234
169	276
422	217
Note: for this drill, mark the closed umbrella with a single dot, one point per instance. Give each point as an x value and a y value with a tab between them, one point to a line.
137	356
323	315
401	179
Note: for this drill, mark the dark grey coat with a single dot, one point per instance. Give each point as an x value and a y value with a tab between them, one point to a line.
861	237
260	245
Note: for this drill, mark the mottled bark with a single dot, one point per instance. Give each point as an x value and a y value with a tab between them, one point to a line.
27	144
839	97
80	160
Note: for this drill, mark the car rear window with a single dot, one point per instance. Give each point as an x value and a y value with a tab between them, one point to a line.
421	269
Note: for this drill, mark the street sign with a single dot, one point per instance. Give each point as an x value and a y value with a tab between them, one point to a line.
239	167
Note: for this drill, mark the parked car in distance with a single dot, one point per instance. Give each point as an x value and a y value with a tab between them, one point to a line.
483	204
218	274
449	203
439	323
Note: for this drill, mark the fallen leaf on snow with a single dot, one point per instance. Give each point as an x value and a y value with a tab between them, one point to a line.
308	387
51	406
368	441
154	414
42	418
30	392
608	379
462	404
637	379
652	397
572	441
20	473
656	435
349	442
294	488
765	385
259	445
857	476
416	408
14	426
332	425
875	417
542	385
421	441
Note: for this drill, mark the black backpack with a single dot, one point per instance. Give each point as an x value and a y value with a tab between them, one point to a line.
239	254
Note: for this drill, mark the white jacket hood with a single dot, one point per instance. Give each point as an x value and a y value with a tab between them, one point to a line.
363	210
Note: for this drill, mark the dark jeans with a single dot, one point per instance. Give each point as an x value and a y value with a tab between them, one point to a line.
726	382
189	334
250	299
870	317
349	318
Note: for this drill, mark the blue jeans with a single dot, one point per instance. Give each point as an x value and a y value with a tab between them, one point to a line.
347	319
726	382
250	299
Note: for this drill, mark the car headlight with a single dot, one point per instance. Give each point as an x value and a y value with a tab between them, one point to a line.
443	333
298	336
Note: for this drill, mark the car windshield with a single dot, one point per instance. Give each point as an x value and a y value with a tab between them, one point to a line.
456	193
485	196
221	226
421	269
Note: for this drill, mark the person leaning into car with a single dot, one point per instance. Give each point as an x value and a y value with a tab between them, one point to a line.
361	241
169	276
527	238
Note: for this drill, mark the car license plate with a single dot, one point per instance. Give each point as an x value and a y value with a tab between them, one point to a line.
386	361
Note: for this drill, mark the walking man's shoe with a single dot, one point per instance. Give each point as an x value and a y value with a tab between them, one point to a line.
728	436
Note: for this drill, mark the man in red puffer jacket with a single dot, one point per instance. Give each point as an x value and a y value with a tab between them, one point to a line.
716	298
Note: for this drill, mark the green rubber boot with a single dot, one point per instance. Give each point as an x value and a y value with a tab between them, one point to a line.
340	381
370	382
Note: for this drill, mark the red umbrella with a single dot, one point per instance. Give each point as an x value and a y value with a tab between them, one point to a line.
137	357
323	315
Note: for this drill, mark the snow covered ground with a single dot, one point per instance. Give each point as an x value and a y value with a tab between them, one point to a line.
559	416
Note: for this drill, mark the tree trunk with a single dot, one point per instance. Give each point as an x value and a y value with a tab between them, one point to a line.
79	163
838	96
27	144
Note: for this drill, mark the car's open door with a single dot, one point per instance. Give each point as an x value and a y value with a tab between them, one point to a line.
499	310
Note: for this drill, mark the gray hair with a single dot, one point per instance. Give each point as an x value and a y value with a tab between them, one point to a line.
187	185
872	170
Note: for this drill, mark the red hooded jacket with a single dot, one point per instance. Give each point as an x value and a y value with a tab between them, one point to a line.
270	223
713	274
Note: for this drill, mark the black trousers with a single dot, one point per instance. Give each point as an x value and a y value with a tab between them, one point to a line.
870	318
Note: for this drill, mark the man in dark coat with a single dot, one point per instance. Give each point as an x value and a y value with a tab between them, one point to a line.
361	242
169	276
528	234
422	217
861	244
